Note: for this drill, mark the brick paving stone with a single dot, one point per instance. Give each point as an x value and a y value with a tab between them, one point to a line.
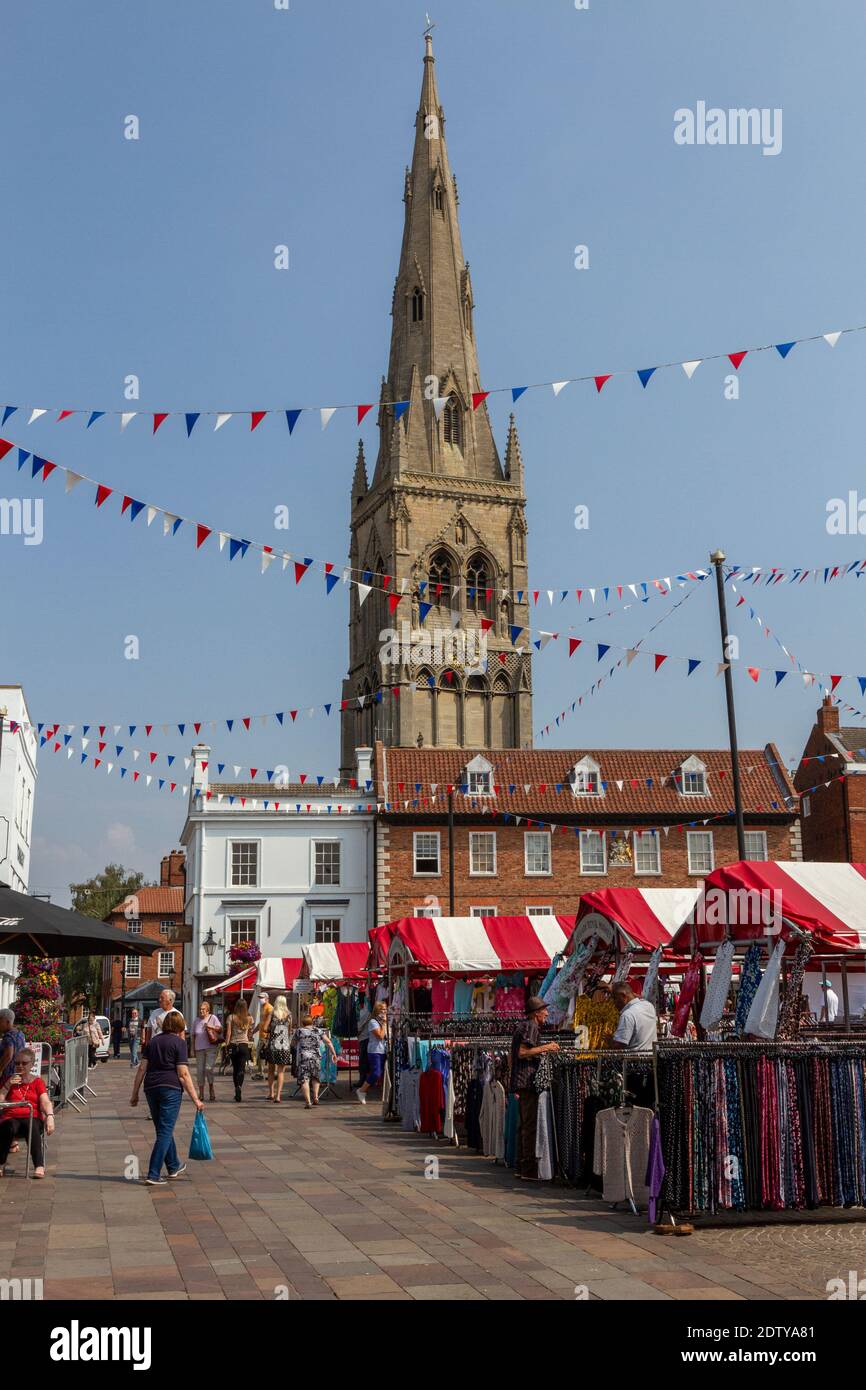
327	1203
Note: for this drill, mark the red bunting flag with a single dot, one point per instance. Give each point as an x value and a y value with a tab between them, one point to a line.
735	358
300	571
47	469
600	380
201	535
253	771
256	418
125	504
362	411
246	722
153	757
64	415
393	600
102	492
834	681
5	446
478	397
486	624
659	658
573	644
158	419
294	714
754	672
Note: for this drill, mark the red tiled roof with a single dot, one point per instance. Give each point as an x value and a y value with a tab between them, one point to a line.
646	774
168	901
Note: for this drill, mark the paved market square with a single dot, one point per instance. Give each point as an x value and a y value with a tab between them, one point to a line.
332	1203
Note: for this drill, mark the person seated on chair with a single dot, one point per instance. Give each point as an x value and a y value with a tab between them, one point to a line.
25	1086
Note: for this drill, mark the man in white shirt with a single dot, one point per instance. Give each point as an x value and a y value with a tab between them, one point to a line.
831	1002
637	1029
154	1023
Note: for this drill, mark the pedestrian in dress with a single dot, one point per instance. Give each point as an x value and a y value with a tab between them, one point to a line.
133	1033
377	1048
206	1030
277	1049
261	1047
308	1041
95	1038
163	1070
238	1036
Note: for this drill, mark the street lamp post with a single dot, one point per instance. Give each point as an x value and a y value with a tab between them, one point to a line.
717	559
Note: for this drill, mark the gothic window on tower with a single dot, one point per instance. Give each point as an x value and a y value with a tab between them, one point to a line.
440	579
452	423
478	585
438	198
417	305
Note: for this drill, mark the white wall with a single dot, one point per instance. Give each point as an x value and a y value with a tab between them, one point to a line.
17	798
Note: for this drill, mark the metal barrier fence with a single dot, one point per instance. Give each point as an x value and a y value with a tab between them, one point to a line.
73	1080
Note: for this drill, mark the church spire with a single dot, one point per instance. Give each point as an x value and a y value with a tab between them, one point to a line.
432	334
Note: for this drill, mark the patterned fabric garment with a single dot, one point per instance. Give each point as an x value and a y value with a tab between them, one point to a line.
687	994
764	1014
790	1006
560	993
600	1020
719	986
650	981
750	978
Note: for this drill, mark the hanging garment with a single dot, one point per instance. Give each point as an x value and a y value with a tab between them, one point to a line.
544	1138
719	985
790	997
687	994
431	1100
462	998
650	979
621	1153
448	1128
621	972
567	983
599	1018
492	1120
472	1118
763	1015
750	979
655	1168
408	1100
442	997
550	976
386	1090
512	1120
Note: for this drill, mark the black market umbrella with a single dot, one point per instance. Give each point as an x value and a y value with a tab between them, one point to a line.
31	927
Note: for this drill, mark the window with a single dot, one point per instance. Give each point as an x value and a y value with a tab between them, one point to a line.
327	866
242	929
133	927
586	778
452	423
417	305
756	844
437	197
245	864
479	784
426	847
327	929
133	967
536	852
165	928
488	911
806	805
482	852
427	911
647	853
700	848
440	578
479	590
166	964
592	852
535	911
693	778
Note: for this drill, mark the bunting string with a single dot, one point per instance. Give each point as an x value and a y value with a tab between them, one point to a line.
289	416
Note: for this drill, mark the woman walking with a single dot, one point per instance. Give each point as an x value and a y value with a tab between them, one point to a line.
277	1048
206	1031
238	1036
308	1040
133	1033
164	1071
377	1048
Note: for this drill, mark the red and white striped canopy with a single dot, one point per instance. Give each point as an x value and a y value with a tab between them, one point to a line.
476	945
270	972
335	961
826	900
645	917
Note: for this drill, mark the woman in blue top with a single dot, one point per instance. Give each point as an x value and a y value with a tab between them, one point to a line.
165	1074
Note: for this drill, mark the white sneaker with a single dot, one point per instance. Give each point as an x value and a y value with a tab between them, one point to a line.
362	1097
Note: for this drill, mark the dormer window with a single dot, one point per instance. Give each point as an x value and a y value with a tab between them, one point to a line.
586	778
693	777
417	305
479	777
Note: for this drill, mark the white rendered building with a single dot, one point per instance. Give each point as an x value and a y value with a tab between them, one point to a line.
18	743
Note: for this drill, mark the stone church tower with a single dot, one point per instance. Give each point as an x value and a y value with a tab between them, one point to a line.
442	520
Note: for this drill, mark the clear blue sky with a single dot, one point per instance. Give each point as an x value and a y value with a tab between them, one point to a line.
261	127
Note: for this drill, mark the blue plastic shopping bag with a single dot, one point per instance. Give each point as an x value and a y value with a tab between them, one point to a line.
199	1144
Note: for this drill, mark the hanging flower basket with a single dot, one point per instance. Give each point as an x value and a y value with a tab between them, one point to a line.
245	953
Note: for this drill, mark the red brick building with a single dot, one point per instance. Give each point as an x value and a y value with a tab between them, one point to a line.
833	816
154	913
609	817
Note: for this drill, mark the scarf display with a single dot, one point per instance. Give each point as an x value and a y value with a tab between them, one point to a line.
790	1005
691	980
764	1012
719	986
750	979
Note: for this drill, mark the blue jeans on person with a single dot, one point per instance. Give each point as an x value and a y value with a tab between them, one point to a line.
164	1105
134	1044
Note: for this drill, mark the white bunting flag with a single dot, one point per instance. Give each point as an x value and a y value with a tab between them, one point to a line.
151	513
125	418
559	386
223	537
222	419
363	592
832	338
326	412
630	655
267	557
691	367
72	479
34	415
167	522
439	404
